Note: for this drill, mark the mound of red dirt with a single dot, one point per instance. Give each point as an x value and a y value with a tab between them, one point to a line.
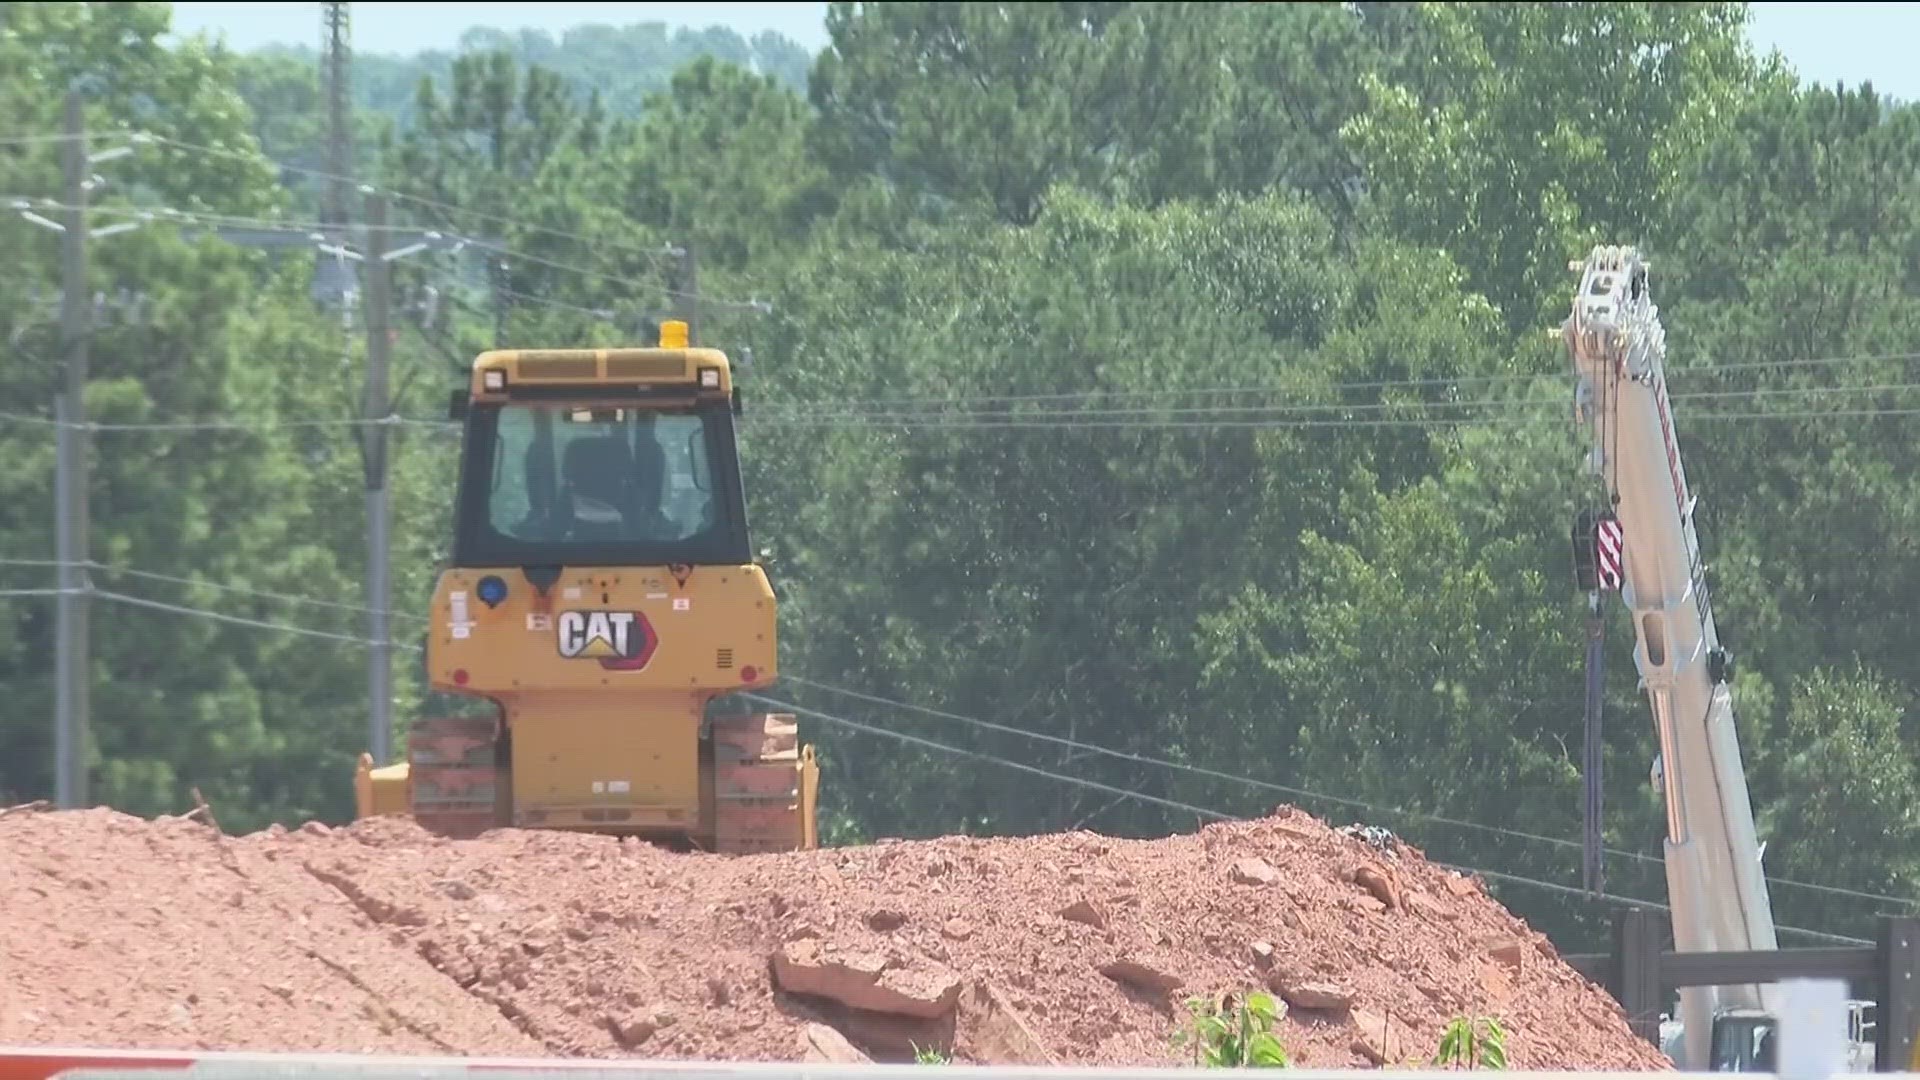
1067	949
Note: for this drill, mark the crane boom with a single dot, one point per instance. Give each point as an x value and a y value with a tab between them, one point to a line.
1715	882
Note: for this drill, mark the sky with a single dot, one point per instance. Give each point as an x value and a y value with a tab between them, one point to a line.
1827	42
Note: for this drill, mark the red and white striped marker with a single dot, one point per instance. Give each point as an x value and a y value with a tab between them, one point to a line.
1608	541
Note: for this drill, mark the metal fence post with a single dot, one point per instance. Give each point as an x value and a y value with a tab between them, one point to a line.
1898	968
1637	941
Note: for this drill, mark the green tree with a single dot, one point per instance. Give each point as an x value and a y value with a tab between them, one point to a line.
177	699
1044	557
992	106
719	159
1845	772
1528	132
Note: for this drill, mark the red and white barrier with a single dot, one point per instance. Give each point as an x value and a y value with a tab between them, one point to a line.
80	1063
47	1063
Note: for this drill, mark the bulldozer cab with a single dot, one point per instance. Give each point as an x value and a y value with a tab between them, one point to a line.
586	482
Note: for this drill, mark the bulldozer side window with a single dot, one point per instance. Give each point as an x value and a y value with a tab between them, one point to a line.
600	486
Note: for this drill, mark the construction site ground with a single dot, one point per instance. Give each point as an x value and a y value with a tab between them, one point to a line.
117	931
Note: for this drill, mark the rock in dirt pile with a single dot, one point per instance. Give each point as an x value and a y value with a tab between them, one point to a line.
1066	949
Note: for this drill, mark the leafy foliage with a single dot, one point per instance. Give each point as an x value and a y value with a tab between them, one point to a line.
1473	1043
1235	1031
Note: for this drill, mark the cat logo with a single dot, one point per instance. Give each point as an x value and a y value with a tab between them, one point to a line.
620	640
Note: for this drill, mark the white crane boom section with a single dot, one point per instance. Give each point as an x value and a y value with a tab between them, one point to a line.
1717	888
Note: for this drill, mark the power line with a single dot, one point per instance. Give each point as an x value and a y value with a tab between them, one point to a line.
316	231
1216	815
238	590
920	424
1058	421
925	743
856	410
659	252
655	253
38	139
1368	384
209	425
216	616
337	178
236	620
1283	789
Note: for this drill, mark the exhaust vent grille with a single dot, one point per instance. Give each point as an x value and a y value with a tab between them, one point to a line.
554	365
642	366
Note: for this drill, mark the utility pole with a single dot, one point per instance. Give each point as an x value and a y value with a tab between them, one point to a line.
339	103
687	298
332	279
380	249
374	459
497	274
72	661
71	485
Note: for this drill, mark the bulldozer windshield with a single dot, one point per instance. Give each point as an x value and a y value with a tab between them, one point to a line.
600	486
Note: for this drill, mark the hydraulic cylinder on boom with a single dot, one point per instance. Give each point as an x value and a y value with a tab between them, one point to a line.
1644	545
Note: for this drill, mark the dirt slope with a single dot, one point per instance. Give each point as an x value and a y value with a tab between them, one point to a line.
1074	949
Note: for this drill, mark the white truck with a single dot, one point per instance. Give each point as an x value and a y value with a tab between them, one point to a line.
1643	545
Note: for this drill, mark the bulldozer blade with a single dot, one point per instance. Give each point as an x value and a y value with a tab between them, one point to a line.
744	740
763	785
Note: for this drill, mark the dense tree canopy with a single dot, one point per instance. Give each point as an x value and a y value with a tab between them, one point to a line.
1168	381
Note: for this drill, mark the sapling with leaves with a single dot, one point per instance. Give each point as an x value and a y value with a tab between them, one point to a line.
1472	1044
1235	1031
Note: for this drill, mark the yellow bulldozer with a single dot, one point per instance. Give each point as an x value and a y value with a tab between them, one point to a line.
602	598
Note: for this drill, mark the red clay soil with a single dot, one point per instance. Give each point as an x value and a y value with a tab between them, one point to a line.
1068	949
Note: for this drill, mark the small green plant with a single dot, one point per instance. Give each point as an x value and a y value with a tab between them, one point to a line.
928	1055
1473	1044
1235	1032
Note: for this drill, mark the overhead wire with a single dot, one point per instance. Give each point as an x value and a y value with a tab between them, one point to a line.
652	252
216	616
201	217
1364	384
113	569
217	220
1200	811
1070	743
854	409
1284	789
1204	812
923	424
1216	815
237	620
36	138
785	414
